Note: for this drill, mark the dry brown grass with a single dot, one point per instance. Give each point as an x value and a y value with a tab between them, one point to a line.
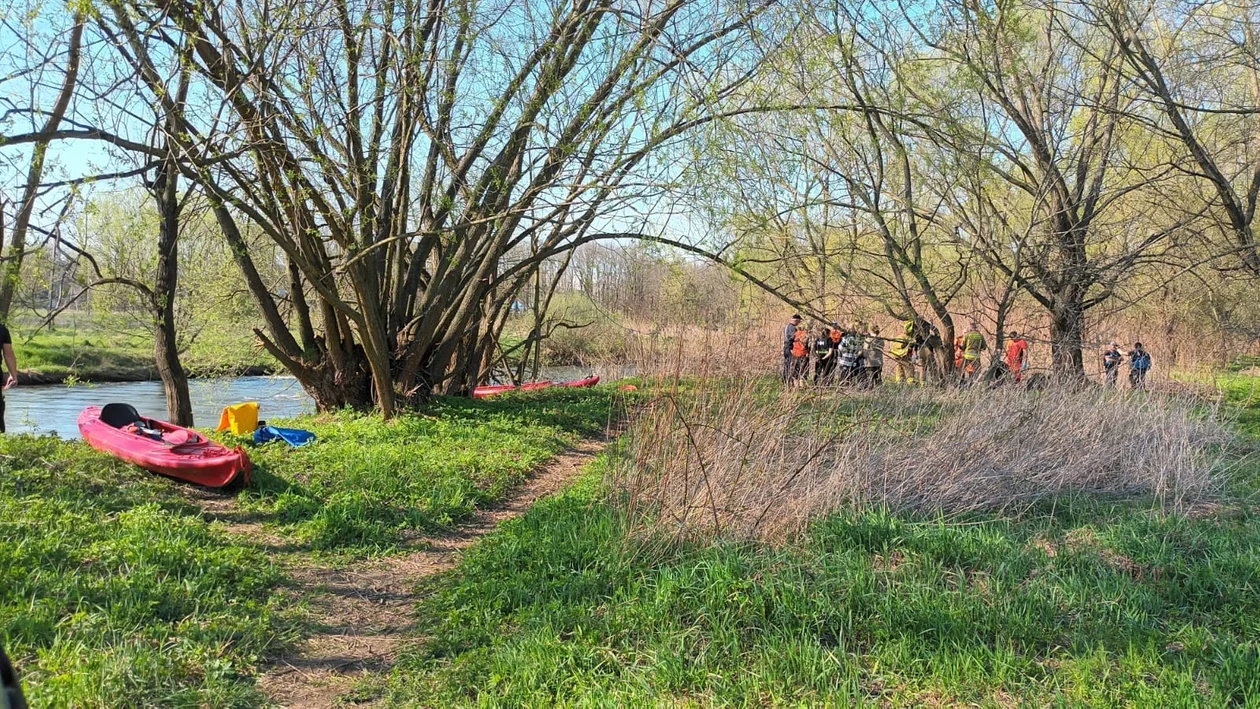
741	457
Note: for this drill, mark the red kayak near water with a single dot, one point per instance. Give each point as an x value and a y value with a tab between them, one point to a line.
161	447
492	389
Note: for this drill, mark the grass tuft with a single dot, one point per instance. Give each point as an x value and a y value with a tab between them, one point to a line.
753	460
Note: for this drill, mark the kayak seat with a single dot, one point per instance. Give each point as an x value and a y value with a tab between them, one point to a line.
120	415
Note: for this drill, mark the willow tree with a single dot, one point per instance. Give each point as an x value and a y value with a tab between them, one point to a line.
830	192
396	151
1197	66
1045	106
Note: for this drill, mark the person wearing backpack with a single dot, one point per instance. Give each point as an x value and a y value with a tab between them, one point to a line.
1139	365
850	354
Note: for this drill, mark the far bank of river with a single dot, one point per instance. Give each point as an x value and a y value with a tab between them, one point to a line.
115	375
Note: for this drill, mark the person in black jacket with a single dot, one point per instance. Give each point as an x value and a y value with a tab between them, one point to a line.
824	357
1111	360
10	363
789	337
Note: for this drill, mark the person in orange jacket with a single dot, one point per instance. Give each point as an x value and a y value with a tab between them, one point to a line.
1017	357
800	356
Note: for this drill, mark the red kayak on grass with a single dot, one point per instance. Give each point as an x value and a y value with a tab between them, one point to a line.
493	389
161	447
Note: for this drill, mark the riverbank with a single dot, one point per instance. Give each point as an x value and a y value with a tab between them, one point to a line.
360	561
93	355
122	588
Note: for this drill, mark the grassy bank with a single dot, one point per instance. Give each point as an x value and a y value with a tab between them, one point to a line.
115	590
1080	600
97	354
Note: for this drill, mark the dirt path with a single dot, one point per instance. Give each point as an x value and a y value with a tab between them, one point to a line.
363	612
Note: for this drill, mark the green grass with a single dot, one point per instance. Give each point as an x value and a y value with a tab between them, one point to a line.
1242	393
114	592
94	353
1088	602
87	356
368	483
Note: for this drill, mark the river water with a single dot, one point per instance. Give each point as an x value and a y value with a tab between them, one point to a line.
55	408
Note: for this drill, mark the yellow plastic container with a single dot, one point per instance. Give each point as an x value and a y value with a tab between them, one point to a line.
240	419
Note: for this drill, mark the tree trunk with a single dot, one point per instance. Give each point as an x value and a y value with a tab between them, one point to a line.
165	344
946	354
1067	331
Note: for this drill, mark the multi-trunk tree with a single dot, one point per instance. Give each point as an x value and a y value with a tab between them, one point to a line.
396	151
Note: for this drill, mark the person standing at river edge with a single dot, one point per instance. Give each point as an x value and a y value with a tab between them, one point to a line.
10	365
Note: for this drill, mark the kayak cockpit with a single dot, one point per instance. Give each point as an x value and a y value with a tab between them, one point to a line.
125	418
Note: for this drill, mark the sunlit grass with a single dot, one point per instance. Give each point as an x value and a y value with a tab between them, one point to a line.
97	353
114	592
368	483
1080	600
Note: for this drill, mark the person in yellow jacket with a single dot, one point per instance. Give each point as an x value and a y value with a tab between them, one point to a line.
973	346
902	354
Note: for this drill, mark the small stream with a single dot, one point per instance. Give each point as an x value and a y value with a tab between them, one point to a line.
55	408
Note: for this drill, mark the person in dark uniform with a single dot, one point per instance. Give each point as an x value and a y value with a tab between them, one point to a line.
789	337
824	357
10	365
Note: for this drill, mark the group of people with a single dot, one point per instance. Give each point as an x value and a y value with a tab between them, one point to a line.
839	355
1139	364
856	355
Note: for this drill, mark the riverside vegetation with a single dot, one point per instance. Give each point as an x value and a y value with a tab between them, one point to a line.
118	591
99	352
115	590
1089	598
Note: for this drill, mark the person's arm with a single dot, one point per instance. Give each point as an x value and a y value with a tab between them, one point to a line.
10	363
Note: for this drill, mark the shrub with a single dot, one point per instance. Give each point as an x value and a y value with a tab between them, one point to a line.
755	460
